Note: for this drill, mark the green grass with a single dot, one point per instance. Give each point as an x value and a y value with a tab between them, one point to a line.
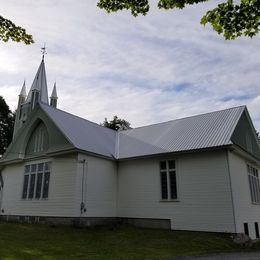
28	241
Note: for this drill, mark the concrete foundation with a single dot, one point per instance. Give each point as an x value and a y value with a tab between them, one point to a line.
90	221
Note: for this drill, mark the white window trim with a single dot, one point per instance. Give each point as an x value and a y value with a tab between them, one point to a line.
253	189
35	184
168	181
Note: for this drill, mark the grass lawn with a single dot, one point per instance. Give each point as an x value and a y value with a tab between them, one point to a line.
28	241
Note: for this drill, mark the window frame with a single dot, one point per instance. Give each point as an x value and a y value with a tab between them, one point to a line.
168	173
253	183
26	195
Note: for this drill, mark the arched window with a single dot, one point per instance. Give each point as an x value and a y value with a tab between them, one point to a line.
38	141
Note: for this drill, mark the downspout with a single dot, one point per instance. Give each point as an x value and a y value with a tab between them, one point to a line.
83	189
231	190
117	170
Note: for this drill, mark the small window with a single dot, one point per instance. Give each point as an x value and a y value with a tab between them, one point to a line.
33	168
40	167
254	184
246	229
256	230
36	181
168	180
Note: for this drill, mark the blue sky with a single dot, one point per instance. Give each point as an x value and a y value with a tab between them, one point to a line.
147	69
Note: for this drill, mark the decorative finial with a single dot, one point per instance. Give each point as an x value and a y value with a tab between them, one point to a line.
43	50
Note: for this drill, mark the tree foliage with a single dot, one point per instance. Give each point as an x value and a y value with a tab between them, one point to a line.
116	124
10	31
230	18
6	125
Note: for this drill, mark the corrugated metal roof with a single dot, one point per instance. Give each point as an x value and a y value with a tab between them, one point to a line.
83	134
197	132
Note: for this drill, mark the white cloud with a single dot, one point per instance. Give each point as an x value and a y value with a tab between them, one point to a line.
146	69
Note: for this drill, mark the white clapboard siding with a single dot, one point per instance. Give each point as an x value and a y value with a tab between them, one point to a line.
204	203
100	186
61	200
245	211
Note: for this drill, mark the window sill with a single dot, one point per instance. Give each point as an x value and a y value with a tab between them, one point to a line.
170	200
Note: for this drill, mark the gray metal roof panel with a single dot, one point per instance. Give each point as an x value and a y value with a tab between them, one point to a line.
197	132
191	133
83	134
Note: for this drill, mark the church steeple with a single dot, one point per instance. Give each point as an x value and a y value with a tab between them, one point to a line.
21	101
38	94
39	85
54	97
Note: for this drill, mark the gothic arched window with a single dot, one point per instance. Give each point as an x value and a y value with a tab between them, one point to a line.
38	141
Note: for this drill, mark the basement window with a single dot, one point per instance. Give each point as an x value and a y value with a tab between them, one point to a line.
168	180
36	181
254	185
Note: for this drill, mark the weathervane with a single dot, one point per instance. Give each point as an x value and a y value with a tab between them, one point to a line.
43	50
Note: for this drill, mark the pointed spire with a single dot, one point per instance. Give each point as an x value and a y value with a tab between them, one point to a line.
23	90
39	84
54	92
54	97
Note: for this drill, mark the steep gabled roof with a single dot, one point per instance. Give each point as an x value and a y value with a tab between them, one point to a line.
197	132
209	130
83	134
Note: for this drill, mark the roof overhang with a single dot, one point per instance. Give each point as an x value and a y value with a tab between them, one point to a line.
249	157
177	153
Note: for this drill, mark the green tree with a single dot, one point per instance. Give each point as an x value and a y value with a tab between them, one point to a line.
6	125
10	31
116	123
230	18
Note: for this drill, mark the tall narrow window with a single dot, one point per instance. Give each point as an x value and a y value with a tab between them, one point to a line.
46	185
256	230
32	184
254	184
246	230
25	186
39	186
36	181
168	180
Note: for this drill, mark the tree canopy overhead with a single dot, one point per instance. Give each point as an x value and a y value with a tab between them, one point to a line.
230	18
10	31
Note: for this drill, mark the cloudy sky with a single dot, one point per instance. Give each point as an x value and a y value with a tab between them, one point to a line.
146	70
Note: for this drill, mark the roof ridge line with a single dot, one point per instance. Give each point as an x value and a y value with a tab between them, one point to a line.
172	120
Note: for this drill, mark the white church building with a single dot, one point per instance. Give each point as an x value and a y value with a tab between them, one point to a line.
198	173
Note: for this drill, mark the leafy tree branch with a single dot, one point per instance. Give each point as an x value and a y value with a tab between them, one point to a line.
231	19
10	31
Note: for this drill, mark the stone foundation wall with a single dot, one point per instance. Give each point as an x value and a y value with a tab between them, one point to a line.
89	221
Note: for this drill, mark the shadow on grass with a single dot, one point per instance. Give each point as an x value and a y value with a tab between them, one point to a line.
30	241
